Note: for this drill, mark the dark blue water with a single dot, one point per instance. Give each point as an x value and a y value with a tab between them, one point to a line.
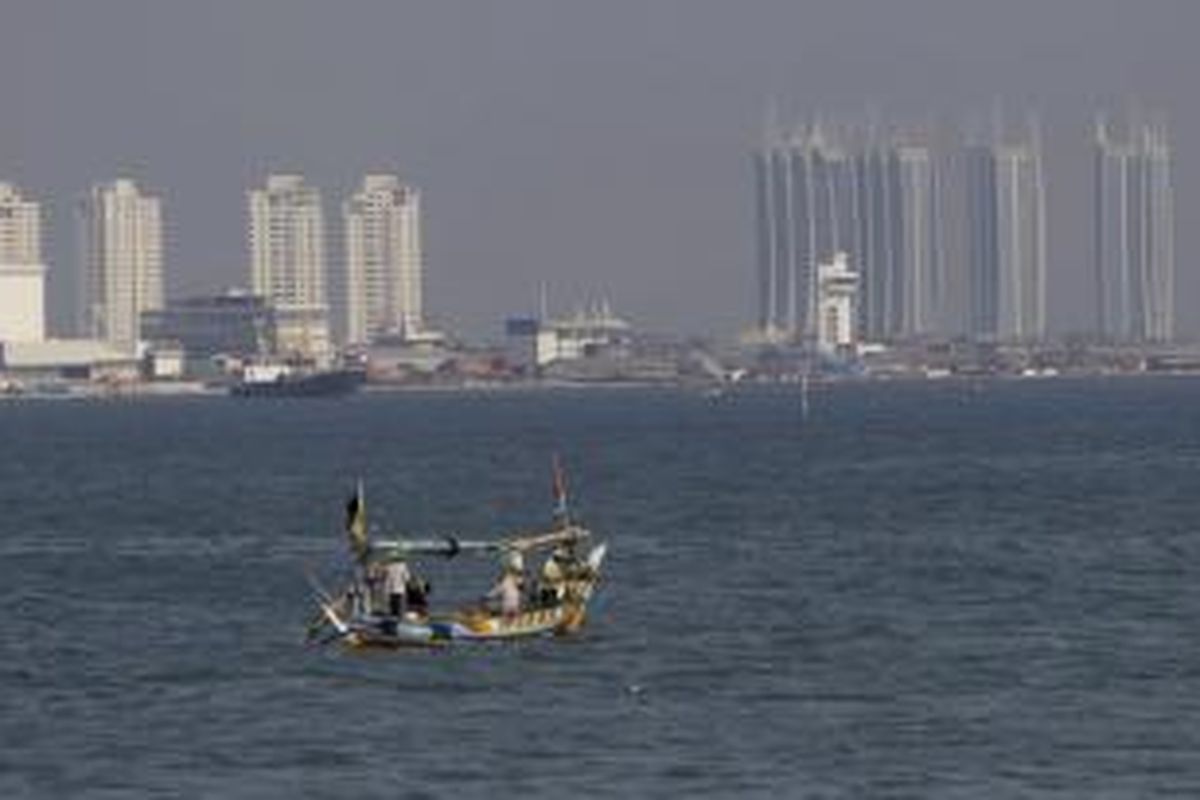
925	591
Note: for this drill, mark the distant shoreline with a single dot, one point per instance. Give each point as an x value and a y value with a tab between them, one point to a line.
155	391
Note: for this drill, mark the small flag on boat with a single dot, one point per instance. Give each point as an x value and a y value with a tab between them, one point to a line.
356	522
559	489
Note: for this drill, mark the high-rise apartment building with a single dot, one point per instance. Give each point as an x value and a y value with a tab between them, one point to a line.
804	186
1133	234
22	274
898	244
873	200
121	244
1006	241
383	286
287	263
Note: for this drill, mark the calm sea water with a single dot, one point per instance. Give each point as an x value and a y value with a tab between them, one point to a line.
938	590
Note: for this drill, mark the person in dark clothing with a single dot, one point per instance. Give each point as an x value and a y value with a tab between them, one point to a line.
416	596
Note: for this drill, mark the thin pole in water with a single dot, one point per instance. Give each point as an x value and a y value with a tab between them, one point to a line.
804	396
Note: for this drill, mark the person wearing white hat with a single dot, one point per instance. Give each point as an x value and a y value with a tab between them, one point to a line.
507	590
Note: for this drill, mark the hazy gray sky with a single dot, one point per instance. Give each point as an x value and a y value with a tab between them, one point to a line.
601	146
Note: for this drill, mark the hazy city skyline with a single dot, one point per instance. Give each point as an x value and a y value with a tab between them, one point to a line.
598	148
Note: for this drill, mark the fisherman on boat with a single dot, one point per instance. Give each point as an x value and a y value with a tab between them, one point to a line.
416	597
397	577
507	591
556	571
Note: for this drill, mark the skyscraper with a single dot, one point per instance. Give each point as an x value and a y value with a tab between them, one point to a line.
897	249
1006	240
122	250
22	274
924	293
876	200
776	260
804	186
1133	235
287	263
383	260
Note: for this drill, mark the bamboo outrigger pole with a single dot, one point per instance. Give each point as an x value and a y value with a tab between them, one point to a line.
450	546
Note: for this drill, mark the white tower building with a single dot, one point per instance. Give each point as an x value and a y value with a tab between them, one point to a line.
837	294
287	263
383	261
22	274
122	274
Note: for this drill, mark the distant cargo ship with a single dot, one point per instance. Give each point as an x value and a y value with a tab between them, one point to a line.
271	380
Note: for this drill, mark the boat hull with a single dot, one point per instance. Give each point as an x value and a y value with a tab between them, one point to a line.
319	384
465	628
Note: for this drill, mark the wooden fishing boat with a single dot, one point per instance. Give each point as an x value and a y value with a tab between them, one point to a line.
357	617
470	624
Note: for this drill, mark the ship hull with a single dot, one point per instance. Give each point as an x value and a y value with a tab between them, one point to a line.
481	627
319	384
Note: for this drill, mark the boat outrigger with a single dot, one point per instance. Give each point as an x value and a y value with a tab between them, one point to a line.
374	612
